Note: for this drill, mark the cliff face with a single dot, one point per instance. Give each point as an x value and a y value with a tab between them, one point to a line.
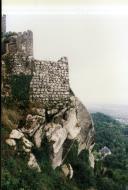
58	126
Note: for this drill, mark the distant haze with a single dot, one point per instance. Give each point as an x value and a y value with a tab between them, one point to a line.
96	47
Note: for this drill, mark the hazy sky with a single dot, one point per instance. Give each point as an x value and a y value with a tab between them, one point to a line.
62	2
95	42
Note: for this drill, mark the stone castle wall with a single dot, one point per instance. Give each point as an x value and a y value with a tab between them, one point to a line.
50	82
22	65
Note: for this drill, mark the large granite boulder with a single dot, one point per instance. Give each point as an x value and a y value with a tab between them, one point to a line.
72	123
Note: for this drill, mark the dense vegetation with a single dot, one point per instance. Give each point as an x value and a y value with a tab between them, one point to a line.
110	173
22	81
113	170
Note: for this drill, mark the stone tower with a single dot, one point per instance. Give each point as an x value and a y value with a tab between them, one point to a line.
3	24
25	42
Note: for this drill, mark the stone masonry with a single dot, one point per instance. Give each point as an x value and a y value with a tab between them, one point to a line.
20	43
22	64
25	42
3	24
50	82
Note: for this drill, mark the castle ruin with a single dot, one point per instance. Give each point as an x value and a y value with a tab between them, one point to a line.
12	42
53	112
49	80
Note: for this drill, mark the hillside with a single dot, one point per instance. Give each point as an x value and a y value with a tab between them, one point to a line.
114	168
111	173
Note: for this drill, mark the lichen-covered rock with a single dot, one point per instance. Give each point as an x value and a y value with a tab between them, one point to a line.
58	137
91	156
57	158
38	137
67	170
91	159
32	163
33	123
27	143
52	111
16	134
104	152
50	128
41	112
11	142
71	171
87	133
27	150
71	124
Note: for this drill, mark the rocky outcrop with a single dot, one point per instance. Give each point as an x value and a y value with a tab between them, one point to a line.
38	137
105	151
15	134
11	142
67	170
91	156
72	123
32	163
87	133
